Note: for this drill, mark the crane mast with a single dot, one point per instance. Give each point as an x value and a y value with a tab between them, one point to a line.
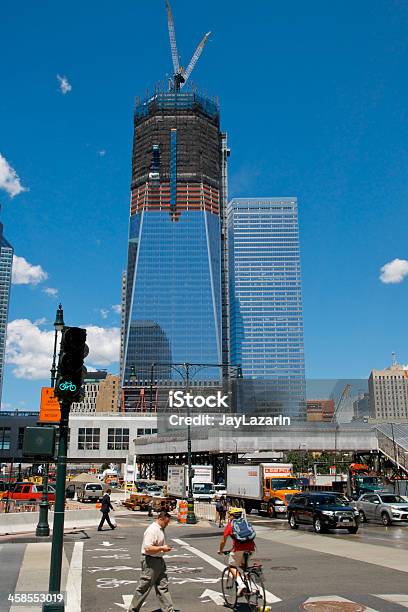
180	76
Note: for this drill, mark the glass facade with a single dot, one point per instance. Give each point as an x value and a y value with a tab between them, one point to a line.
265	302
176	305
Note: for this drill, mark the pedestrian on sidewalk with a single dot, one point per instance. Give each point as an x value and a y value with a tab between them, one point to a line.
154	566
106	507
221	508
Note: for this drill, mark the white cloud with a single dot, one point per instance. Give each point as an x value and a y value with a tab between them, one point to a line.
104	312
117	308
25	273
104	344
65	85
102	152
29	349
394	271
9	180
51	291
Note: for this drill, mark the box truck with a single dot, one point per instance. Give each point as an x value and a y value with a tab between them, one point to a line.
203	486
267	487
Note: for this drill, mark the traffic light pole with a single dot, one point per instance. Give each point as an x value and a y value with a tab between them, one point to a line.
59	513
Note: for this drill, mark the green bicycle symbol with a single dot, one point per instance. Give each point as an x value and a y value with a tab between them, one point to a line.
67	386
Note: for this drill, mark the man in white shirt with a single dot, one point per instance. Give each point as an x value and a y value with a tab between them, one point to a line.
153	566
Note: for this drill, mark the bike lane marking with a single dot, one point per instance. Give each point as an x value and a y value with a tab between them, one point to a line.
270	597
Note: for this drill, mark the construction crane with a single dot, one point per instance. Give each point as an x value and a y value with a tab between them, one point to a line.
181	76
344	395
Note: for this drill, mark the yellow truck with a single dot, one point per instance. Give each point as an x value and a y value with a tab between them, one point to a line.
267	487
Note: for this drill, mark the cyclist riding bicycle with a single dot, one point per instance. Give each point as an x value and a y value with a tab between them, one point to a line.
241	543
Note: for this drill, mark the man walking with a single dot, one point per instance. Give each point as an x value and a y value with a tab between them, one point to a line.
105	509
153	566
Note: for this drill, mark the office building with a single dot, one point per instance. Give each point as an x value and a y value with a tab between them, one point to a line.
101	394
266	303
388	390
175	296
6	264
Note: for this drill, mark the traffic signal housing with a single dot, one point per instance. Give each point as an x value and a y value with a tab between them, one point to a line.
71	364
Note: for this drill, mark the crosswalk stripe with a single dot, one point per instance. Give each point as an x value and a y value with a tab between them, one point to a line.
401	600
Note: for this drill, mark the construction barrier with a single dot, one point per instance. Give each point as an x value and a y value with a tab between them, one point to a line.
205	511
98	505
182	512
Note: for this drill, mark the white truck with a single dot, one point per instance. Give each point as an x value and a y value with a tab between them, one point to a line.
203	486
267	487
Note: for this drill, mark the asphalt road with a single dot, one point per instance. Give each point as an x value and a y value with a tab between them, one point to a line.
349	572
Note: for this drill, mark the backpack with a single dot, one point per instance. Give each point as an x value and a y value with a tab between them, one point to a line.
219	506
242	531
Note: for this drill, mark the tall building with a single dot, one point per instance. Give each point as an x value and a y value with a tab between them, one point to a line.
101	393
6	264
266	302
388	390
175	303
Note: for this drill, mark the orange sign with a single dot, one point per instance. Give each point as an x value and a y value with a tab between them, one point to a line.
49	408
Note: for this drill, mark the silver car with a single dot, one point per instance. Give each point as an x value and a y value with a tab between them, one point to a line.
385	507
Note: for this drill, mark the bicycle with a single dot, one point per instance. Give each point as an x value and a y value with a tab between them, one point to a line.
252	578
67	386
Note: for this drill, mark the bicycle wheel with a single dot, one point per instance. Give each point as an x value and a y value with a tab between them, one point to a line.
256	597
229	588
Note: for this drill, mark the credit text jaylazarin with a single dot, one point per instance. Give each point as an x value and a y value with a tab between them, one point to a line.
228	420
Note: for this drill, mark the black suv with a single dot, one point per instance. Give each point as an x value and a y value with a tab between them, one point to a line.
324	511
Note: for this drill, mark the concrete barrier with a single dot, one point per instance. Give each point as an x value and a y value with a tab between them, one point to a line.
20	522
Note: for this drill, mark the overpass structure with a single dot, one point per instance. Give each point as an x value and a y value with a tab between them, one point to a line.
393	444
218	446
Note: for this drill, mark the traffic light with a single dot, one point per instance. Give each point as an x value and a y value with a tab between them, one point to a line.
71	364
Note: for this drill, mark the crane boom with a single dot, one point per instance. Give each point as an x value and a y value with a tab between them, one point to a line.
344	395
195	57
172	36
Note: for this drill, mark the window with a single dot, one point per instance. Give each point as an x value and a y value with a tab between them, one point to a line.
88	438
5	438
118	439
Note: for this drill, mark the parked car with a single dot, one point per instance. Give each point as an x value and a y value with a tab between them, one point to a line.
89	491
385	507
153	490
324	511
28	491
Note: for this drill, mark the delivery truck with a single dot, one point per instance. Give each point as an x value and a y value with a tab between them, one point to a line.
203	486
267	487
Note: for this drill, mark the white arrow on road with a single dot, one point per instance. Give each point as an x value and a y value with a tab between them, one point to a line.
107	544
126	602
216	597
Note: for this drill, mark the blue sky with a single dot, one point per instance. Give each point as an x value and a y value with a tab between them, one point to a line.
314	99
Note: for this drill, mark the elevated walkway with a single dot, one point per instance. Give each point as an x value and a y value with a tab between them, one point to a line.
393	443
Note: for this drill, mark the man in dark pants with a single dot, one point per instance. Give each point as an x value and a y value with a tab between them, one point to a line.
105	509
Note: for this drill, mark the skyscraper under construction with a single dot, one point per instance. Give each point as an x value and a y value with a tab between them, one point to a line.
175	300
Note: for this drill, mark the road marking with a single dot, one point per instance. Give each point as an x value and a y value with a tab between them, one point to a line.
318	603
216	597
126	556
104	550
270	597
401	600
107	544
126	602
117	568
74	579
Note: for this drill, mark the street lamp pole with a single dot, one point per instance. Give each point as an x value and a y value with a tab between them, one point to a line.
58	528
43	528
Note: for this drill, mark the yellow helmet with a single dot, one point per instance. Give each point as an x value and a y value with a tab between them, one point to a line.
234	511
